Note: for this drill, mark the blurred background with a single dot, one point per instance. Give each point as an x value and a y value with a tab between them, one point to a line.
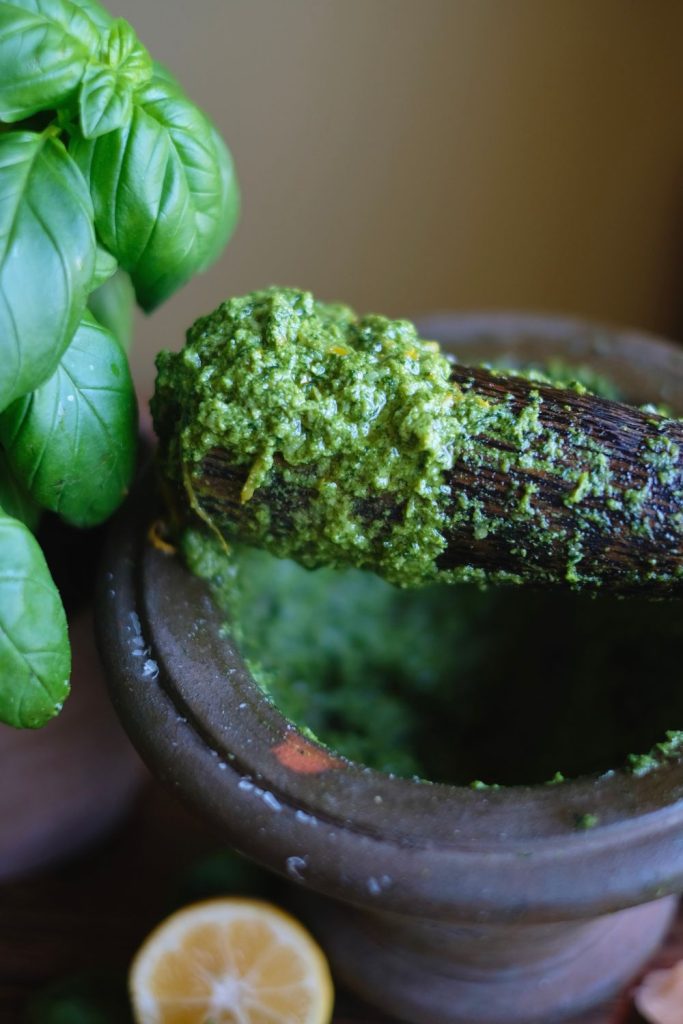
414	155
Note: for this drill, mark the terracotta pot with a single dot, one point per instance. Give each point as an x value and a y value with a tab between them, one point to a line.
440	904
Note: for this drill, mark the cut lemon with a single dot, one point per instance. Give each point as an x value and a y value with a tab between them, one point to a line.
231	961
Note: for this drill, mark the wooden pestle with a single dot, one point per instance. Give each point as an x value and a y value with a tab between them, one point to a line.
554	486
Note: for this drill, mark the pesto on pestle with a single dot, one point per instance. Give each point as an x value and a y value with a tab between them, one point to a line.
366	402
329	439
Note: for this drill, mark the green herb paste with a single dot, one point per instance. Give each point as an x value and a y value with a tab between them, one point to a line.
365	403
452	683
363	420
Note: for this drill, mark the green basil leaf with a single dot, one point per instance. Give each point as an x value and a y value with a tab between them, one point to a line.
35	661
15	499
103	104
45	46
105	267
164	74
112	305
106	97
164	190
123	51
207	164
72	441
97	14
220	219
47	258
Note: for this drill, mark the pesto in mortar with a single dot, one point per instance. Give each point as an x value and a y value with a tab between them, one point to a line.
452	683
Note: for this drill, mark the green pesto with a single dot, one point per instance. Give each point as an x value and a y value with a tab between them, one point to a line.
583	379
363	401
587	821
408	680
365	413
670	749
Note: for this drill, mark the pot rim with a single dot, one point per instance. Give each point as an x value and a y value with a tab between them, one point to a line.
353	833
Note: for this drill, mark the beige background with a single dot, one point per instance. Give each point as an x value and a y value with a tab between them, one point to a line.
408	155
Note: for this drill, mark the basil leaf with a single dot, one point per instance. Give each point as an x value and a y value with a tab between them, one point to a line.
123	51
106	97
45	46
207	165
164	74
105	267
103	105
221	218
97	14
35	661
72	442
112	305
164	190
47	258
14	499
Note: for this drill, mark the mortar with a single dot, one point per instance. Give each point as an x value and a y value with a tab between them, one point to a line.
440	904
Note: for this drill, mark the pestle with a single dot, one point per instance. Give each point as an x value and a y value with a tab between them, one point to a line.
293	425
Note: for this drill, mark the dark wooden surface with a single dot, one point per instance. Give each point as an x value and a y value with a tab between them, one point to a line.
94	912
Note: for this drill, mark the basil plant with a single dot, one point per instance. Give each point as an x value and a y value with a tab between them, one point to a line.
114	187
